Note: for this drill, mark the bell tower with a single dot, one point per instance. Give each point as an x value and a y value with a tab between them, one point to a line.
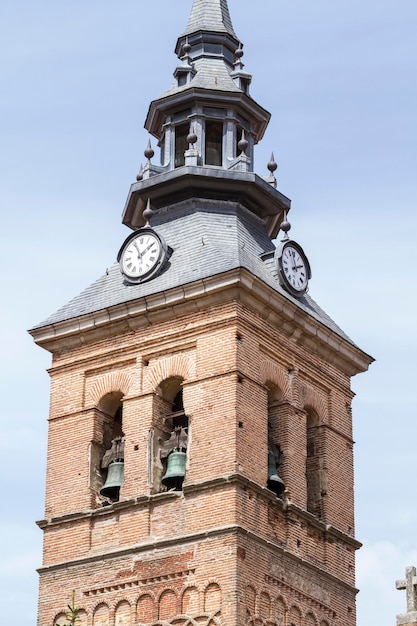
200	453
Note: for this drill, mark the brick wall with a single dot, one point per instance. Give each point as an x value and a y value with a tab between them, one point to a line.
225	550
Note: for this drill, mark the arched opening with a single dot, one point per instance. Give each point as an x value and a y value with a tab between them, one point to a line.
169	438
315	471
181	145
275	453
214	143
107	452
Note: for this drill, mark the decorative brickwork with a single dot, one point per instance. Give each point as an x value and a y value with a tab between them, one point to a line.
187	605
230	395
107	383
313	399
271	372
175	366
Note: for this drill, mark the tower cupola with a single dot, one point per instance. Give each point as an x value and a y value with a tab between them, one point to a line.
209	98
206	126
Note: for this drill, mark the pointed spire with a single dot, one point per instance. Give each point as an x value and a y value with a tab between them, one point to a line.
210	15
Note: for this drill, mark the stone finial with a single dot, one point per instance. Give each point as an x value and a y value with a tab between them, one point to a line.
149	152
272	165
191	155
243	143
410	586
148	212
285	226
186	49
139	175
238	58
192	137
239	52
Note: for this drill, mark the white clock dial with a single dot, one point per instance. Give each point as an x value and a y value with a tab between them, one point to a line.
294	268
141	255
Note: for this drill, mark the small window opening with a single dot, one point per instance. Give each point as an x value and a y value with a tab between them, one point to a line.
315	473
214	143
112	462
275	482
181	133
182	78
275	456
173	451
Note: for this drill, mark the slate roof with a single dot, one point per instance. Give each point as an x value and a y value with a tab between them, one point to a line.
210	74
207	238
211	15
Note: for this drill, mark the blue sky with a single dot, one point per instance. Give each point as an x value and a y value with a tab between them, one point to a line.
339	78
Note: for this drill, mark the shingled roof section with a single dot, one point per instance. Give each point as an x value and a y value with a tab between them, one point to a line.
210	15
207	237
210	74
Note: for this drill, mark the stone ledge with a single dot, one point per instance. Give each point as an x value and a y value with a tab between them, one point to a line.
285	506
235	285
407	619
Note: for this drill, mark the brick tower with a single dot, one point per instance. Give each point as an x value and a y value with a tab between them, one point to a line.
200	463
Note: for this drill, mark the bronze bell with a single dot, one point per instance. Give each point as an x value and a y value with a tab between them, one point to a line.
275	482
114	480
174	476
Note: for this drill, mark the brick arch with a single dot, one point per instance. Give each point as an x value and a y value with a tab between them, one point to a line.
181	620
120	600
214	621
123	613
190	600
280	609
264	608
61	618
295	616
107	383
167	604
101	614
250	600
176	366
310	399
212	598
271	372
146	605
199	620
310	619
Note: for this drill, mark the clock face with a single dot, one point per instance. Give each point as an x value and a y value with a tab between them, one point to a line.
141	255
294	268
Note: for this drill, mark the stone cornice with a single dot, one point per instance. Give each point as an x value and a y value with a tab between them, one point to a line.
243	103
210	485
187	182
238	284
177	542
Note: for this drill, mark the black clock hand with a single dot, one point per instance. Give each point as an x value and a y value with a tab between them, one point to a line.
148	248
135	243
142	254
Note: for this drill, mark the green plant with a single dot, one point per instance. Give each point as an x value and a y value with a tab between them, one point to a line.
72	617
